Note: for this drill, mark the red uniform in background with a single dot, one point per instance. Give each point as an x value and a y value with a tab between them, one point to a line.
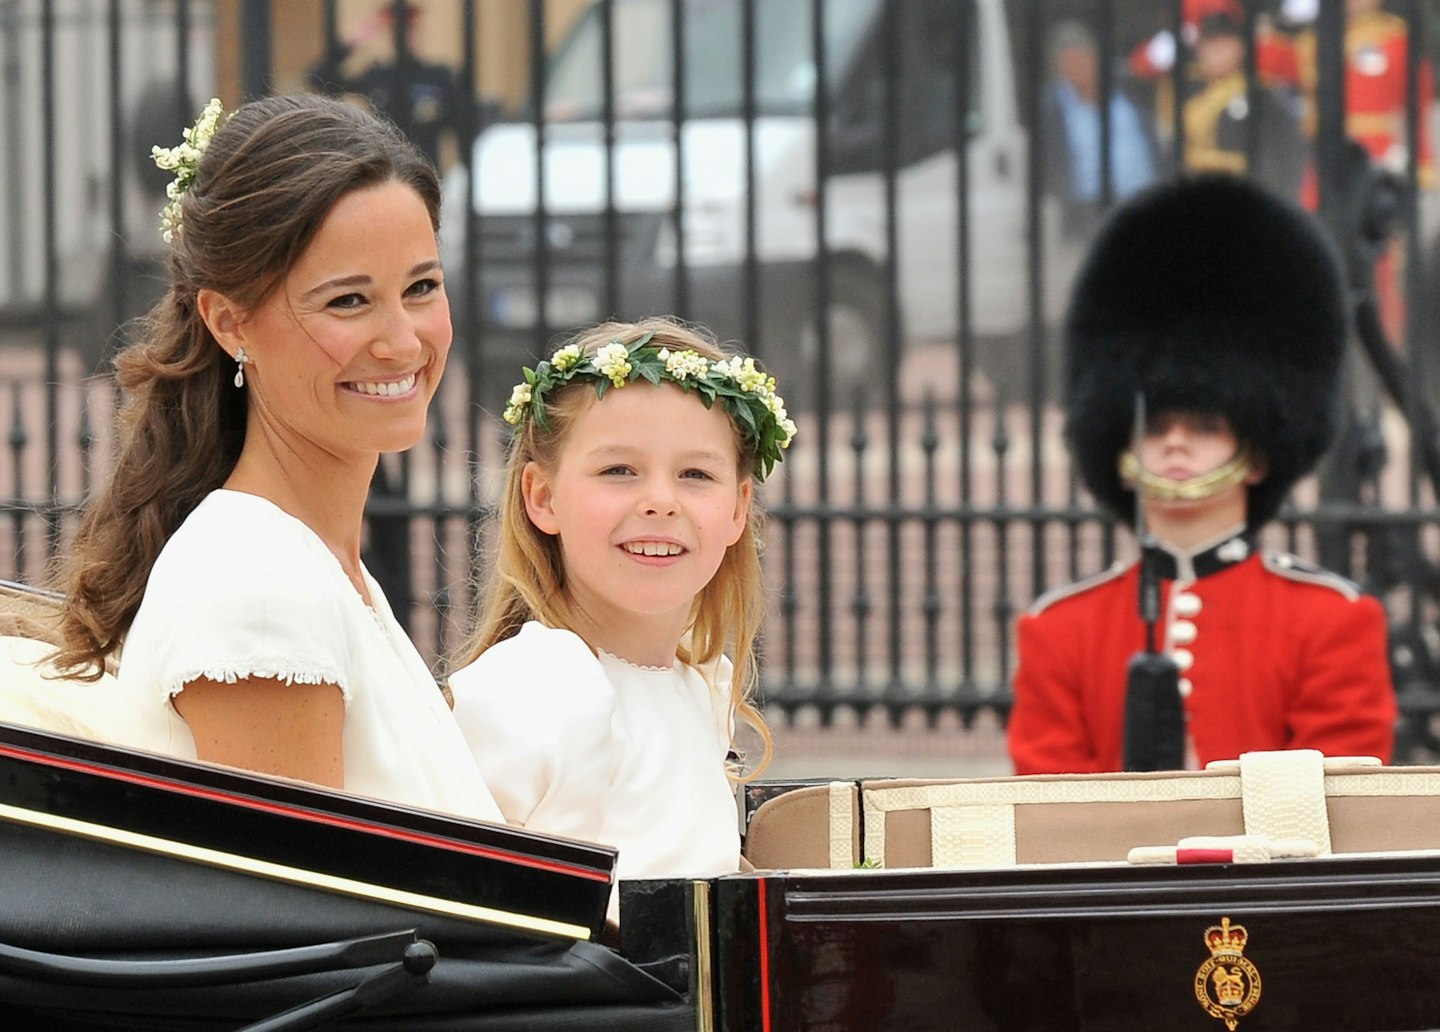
1274	654
1377	61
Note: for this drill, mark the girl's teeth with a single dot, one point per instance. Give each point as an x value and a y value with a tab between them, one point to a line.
654	548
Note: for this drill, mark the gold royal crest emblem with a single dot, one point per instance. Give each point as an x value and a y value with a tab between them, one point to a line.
1227	985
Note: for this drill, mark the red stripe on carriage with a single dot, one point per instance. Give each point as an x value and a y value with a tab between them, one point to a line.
315	816
1204	856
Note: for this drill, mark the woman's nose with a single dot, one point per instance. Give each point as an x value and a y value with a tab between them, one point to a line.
399	337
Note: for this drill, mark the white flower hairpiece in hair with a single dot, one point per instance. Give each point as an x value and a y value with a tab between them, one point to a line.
184	160
746	392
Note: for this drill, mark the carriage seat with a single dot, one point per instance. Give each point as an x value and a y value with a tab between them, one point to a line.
1341	804
29	632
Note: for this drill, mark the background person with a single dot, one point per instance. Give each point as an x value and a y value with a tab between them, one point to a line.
615	652
421	96
303	333
1223	305
1222	112
1073	163
1377	73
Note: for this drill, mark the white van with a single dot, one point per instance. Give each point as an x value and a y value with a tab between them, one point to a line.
930	43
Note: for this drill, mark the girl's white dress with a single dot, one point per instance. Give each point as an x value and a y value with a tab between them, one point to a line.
596	748
243	589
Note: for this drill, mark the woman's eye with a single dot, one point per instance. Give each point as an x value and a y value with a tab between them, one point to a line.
347	301
421	288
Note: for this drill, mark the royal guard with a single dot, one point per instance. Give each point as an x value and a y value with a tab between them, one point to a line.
1222	306
1377	64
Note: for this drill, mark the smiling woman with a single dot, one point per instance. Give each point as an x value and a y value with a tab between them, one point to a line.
304	332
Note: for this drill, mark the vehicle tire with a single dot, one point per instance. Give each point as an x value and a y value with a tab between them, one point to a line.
856	361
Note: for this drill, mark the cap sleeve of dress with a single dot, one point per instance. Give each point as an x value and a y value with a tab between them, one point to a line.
537	710
243	590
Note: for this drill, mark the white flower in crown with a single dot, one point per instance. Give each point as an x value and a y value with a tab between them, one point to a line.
515	407
684	364
184	161
743	372
566	357
613	361
788	425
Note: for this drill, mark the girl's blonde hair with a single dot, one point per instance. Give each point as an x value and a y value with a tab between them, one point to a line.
527	579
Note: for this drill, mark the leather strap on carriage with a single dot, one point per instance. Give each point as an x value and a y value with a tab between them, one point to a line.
1283	794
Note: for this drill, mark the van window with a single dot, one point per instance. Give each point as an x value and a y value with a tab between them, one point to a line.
930	35
644	64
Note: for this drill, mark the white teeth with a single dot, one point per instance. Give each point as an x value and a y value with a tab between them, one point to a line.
653	548
389	389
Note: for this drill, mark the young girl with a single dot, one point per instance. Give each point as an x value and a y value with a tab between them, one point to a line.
597	696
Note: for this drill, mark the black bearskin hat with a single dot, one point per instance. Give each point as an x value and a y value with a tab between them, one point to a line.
1207	293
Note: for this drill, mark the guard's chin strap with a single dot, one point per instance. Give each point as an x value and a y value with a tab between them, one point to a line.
1132	475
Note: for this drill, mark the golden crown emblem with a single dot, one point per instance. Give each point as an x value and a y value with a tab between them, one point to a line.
1227	985
1226	939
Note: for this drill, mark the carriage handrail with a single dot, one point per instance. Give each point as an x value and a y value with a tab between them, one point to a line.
225	969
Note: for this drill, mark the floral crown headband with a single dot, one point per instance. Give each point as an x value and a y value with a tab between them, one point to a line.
747	393
184	161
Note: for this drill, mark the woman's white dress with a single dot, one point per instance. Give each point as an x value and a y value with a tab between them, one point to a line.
243	589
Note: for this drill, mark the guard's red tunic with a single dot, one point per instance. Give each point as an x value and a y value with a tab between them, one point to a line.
1274	654
1377	57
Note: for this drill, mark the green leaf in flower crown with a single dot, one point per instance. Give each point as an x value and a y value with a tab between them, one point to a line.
745	416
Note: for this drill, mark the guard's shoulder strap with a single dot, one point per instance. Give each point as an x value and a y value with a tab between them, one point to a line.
1292	567
1079	587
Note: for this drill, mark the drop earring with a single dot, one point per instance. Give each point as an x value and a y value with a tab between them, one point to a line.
240	359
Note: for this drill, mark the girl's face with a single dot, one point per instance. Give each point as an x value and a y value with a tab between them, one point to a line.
645	499
347	352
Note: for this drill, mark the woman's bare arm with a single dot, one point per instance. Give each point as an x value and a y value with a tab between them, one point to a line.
268	726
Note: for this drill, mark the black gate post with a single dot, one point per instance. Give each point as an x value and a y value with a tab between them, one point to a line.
255	48
1340	477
